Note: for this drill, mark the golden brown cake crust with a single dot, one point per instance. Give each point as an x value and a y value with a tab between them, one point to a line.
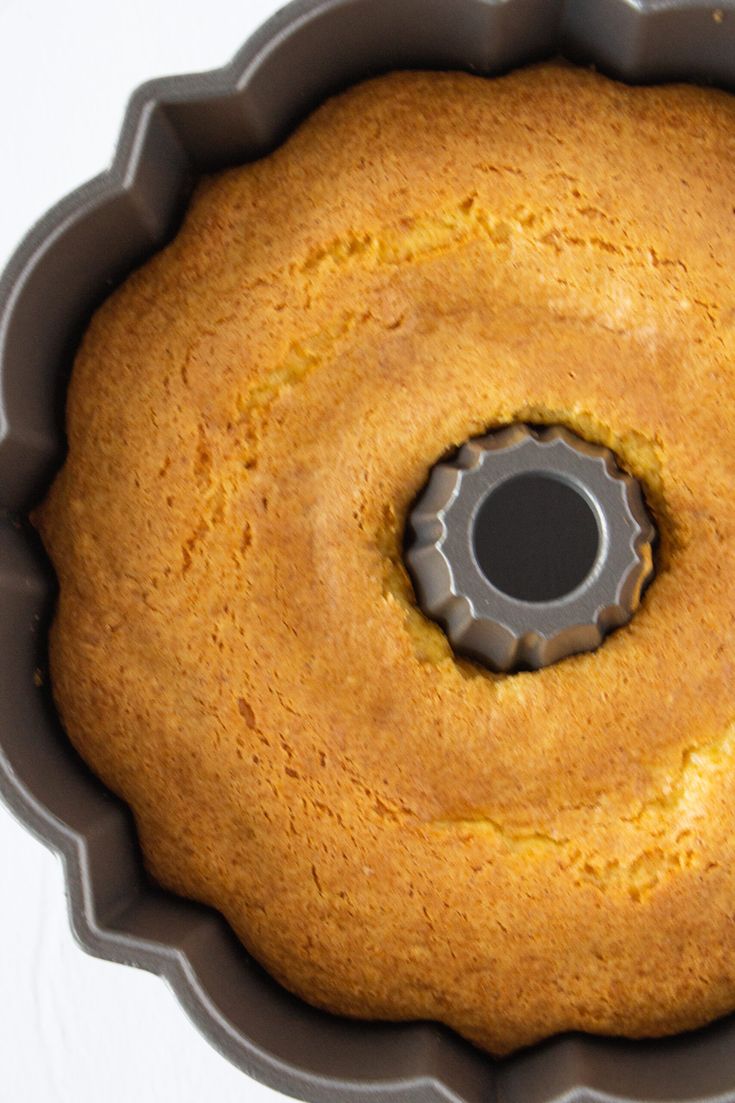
393	832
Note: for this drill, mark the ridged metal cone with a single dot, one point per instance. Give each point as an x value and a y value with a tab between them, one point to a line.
494	627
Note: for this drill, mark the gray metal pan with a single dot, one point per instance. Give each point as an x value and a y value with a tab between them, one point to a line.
173	129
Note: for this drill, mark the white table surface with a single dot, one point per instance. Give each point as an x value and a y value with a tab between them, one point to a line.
74	1029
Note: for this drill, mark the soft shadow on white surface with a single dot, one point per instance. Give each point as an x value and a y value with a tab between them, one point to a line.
74	1029
77	1030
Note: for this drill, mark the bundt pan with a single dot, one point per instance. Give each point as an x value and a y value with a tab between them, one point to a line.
175	128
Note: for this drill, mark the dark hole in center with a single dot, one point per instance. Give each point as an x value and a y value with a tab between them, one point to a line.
536	538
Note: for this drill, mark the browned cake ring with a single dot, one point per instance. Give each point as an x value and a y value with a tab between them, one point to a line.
393	832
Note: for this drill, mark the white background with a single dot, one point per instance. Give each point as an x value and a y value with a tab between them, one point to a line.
73	1029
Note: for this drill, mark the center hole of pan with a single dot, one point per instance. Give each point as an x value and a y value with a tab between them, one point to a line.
536	537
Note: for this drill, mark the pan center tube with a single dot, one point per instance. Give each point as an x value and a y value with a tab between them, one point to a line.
530	545
536	537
